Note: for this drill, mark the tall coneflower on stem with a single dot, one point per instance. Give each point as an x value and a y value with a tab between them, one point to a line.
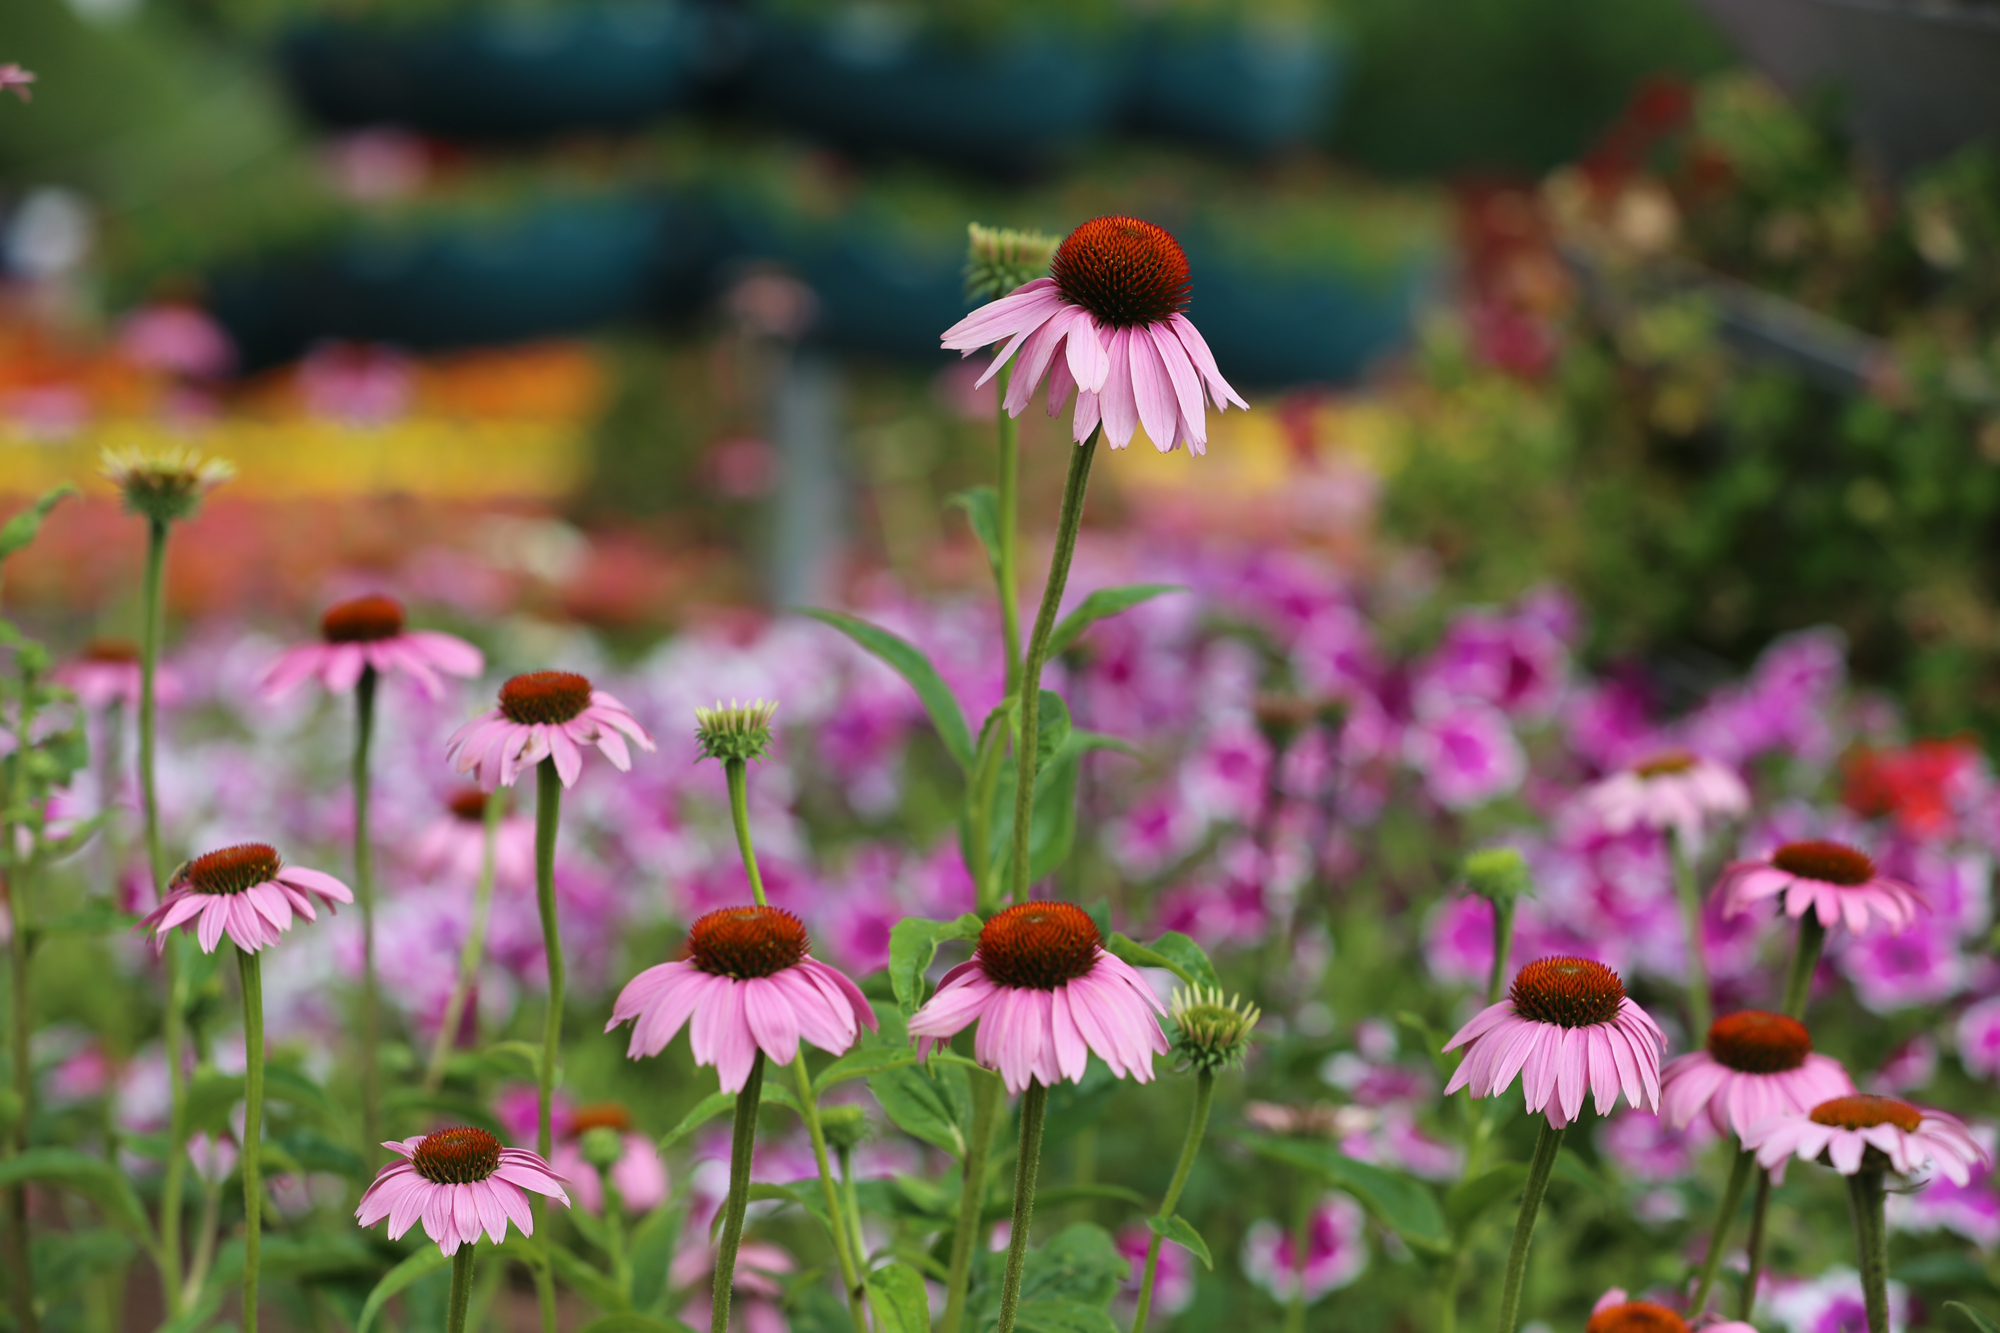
360	641
1107	323
1568	1031
543	722
1046	996
163	487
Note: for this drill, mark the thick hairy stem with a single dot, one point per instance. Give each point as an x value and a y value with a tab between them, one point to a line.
474	951
986	1103
364	892
461	1289
738	774
1204	1094
548	811
843	1252
1034	1105
251	1164
1871	1241
1010	499
1725	1217
742	1141
1547	1145
1699	1006
1026	757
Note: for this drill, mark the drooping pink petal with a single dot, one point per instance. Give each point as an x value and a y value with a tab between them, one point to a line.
1118	399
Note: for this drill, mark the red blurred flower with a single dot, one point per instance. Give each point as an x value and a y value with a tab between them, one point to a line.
1918	786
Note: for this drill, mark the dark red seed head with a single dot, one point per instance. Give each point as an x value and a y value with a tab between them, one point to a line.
1569	992
744	942
547	697
469	805
362	620
461	1156
232	869
1122	270
1636	1317
1666	764
1753	1041
1827	862
1038	946
1865	1111
120	652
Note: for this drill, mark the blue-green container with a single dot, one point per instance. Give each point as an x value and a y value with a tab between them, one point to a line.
1245	87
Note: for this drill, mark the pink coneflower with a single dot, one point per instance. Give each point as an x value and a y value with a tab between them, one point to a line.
749	984
14	78
1112	305
245	891
1843	1131
545	714
460	1182
106	672
452	847
1568	1030
1336	1252
1617	1313
1046	997
368	633
638	1173
1677	790
1756	1065
1832	879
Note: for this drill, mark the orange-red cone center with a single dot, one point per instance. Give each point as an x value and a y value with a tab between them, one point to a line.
1865	1111
547	697
1569	992
1756	1042
458	1156
362	620
1038	946
1828	862
232	869
1122	270
1636	1317
745	942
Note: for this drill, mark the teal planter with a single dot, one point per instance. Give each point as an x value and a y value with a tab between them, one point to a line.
1242	87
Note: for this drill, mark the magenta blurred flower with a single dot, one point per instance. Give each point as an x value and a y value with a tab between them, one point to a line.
1112	306
356	383
1568	1030
545	714
213	1156
1046	997
1971	1210
1920	965
748	984
760	1276
16	79
177	339
1336	1252
1466	751
459	1182
1676	790
1844	1128
1648	1149
245	891
1173	1279
452	847
106	672
1832	1303
1515	663
368	633
1978	1037
1834	880
1911	1066
1755	1065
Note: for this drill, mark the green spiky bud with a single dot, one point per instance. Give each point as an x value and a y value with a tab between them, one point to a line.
1498	873
166	485
844	1126
999	259
1214	1033
738	731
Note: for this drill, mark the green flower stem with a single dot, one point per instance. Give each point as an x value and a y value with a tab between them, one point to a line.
1204	1094
1027	1165
1871	1239
979	830
742	1140
1503	947
853	1197
1758	1212
1547	1144
1010	499
548	811
474	951
251	1163
151	631
1725	1217
461	1289
364	891
737	771
986	1102
24	1080
843	1252
1026	756
205	1236
1805	959
1699	1006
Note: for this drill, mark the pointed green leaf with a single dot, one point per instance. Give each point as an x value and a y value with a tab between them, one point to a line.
897	1296
913	944
863	1062
1173	951
625	1321
1402	1203
919	1105
1973	1317
1468	1200
652	1250
1104	602
22	528
583	1277
909	662
704	1111
982	509
81	1173
1182	1233
420	1265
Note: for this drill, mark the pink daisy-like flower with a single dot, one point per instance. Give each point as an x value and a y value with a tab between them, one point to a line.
1845	1131
639	1174
1112	306
1615	1312
1756	1065
1336	1252
452	847
106	672
1678	790
244	891
460	1182
748	984
1829	878
1046	997
545	714
365	634
16	79
1567	1029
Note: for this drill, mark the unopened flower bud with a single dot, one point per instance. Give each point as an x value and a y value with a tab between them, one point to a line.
1214	1034
844	1126
601	1147
165	485
999	259
738	731
1498	874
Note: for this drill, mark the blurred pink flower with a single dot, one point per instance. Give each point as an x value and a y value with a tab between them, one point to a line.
545	714
1754	1065
1173	1279
1831	1303
639	1175
1978	1038
1648	1149
177	339
452	847
15	79
1920	965
1674	791
1467	753
1514	663
368	634
356	383
1336	1252
1837	882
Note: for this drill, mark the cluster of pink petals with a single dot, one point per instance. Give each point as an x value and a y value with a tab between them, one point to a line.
13	77
455	1215
1734	1101
254	918
1153	374
1048	1035
1616	1297
1890	902
1688	801
1560	1066
496	750
421	654
1940	1141
98	684
732	1019
639	1175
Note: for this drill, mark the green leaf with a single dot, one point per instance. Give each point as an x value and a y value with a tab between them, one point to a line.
1055	1196
863	1062
420	1265
503	1054
625	1321
1401	1203
1063	1317
918	1105
204	1310
210	1098
704	1111
909	662
897	1296
80	1173
95	918
1173	951
584	1278
913	944
22	527
1465	1202
982	509
459	1110
1080	1263
1052	729
652	1250
1104	602
806	1194
1182	1233
1973	1317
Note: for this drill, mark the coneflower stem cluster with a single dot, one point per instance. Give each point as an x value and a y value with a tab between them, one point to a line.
1204	1094
1871	1239
742	1141
1548	1144
986	1103
253	1128
1700	1010
1027	1167
548	813
474	951
364	891
1025	750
